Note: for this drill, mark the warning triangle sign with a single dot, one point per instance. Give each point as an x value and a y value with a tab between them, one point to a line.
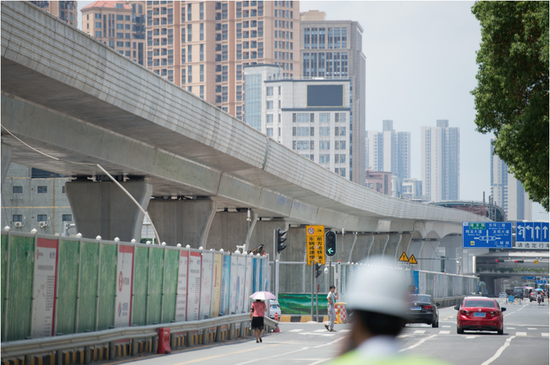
412	260
404	257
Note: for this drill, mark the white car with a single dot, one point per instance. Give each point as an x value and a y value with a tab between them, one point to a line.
502	295
274	308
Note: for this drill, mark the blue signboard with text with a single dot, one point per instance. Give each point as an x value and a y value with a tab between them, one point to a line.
486	234
532	235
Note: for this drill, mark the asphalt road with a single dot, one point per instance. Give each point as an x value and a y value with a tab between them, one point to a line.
525	340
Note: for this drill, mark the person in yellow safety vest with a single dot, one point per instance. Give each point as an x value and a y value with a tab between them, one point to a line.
377	295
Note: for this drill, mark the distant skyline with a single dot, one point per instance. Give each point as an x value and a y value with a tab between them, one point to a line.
421	66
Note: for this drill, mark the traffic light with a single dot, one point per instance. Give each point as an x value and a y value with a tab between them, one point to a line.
318	270
279	239
330	243
519	261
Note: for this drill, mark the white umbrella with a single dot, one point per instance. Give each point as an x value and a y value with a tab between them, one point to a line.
262	295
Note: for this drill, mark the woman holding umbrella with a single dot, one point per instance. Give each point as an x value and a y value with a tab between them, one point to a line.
257	310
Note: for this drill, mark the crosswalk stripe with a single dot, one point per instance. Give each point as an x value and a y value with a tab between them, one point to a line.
344	330
532	329
470	337
323	330
446	326
521	333
297	330
511	328
444	332
420	331
544	334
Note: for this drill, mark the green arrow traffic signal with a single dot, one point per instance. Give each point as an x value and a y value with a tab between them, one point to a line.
330	243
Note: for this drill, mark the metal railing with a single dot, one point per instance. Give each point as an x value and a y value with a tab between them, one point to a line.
79	340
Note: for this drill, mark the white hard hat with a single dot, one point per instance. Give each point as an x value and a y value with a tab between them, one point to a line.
379	287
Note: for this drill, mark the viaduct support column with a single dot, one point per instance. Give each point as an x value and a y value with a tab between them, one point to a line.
102	208
362	246
391	247
183	221
428	250
7	153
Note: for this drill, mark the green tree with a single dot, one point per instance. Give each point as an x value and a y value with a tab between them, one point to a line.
511	97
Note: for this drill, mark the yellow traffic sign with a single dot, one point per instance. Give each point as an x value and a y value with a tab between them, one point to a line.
536	262
404	257
315	244
412	260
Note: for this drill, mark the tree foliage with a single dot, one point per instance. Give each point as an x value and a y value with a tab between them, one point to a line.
511	97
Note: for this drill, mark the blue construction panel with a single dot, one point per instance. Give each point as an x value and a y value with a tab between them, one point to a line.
487	234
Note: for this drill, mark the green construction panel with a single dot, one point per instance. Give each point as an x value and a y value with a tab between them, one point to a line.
21	267
67	286
88	286
141	270
155	284
4	258
107	286
170	286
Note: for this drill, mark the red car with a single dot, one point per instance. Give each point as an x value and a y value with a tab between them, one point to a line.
479	314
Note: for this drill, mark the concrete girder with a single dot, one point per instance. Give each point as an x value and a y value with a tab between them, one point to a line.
435	229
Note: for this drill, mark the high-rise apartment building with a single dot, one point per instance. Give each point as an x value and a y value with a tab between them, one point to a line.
390	151
64	10
118	24
311	117
508	192
203	46
441	161
332	49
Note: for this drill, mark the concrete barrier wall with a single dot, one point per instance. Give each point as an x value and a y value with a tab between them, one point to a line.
54	285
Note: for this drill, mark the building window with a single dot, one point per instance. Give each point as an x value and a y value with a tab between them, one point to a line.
324	145
269	90
42	217
17	218
202	77
269	118
17	190
303	145
67	217
42	189
324	158
269	105
269	132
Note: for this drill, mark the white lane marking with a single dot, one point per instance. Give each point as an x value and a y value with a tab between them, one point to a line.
444	332
297	330
544	334
418	343
446	326
318	361
286	353
499	351
330	343
344	330
402	336
323	330
532	329
317	334
470	337
510	328
521	333
419	332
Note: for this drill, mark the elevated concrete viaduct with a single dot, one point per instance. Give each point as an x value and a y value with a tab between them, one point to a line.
72	98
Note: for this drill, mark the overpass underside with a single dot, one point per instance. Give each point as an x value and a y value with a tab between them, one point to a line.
70	103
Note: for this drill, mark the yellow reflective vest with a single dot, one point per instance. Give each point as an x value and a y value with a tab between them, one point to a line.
354	358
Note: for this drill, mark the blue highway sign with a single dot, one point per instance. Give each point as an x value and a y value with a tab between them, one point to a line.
487	234
529	278
532	235
540	281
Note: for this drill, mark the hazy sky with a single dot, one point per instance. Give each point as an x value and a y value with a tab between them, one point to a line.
421	66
